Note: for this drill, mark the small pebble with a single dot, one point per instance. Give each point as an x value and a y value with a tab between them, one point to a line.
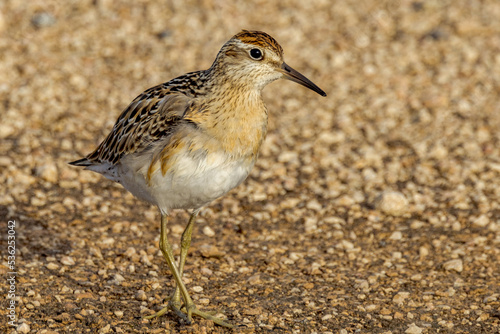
67	261
48	172
416	277
481	221
492	298
23	328
423	251
206	271
400	297
141	295
396	236
310	224
414	329
392	203
42	20
118	279
6	130
255	279
456	265
52	266
197	289
207	230
177	229
314	205
204	301
105	329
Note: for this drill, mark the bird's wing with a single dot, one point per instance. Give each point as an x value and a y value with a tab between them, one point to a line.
151	117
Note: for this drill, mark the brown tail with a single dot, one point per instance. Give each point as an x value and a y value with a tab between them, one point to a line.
81	162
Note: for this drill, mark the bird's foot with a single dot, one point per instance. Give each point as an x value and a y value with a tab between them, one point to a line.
186	313
174	305
192	309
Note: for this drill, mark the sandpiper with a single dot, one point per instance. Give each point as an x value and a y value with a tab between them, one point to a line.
186	142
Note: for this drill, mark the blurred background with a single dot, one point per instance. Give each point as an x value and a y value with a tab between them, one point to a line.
375	209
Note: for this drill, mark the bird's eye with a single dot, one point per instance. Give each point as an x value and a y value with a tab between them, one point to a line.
256	54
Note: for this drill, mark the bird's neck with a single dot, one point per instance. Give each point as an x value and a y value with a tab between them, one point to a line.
236	116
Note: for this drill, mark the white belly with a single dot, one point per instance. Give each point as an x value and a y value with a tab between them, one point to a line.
191	183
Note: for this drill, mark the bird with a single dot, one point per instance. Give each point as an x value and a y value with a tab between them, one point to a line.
184	143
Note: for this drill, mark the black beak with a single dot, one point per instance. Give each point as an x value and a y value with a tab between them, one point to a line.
291	74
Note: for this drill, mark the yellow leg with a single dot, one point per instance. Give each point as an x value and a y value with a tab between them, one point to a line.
175	300
180	289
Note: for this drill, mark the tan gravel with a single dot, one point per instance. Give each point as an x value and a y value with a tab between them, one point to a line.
374	210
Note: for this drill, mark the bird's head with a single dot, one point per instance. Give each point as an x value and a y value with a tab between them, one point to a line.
254	57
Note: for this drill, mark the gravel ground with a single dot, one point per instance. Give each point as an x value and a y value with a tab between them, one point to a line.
374	210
